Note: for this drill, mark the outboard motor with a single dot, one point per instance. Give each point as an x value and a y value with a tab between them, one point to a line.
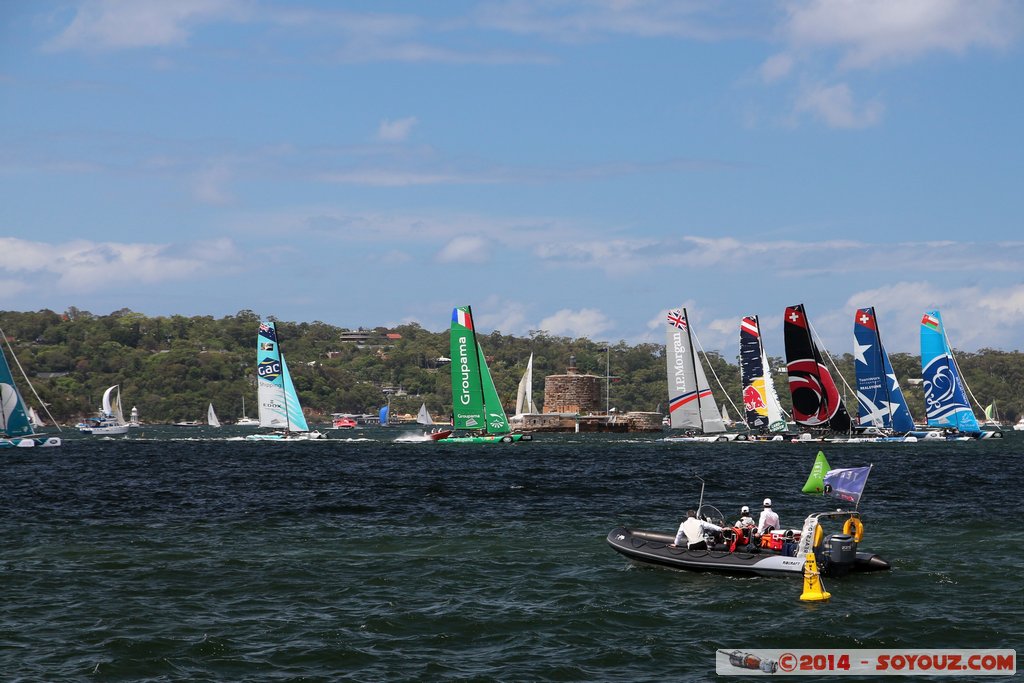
842	554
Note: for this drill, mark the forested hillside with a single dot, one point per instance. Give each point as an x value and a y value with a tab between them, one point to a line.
171	368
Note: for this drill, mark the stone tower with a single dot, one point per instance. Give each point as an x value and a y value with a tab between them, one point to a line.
572	392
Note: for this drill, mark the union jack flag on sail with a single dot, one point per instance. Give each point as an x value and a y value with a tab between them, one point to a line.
676	318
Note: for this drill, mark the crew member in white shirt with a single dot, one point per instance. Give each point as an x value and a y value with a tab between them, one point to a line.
769	518
694	530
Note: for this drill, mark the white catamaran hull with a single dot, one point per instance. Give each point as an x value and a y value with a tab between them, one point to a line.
31	442
298	436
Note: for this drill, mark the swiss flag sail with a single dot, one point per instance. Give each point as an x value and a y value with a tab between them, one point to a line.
816	401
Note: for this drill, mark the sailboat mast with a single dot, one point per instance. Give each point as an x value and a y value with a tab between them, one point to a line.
693	367
284	394
881	364
476	353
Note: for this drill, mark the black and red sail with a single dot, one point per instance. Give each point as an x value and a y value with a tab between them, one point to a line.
816	401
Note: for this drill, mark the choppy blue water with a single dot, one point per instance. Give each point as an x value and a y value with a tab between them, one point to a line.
374	560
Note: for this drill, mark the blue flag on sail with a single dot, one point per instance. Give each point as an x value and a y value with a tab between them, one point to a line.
847	483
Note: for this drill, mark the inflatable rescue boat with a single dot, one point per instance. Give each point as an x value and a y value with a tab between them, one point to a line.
779	553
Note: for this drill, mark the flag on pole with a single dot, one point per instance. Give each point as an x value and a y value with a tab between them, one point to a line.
847	483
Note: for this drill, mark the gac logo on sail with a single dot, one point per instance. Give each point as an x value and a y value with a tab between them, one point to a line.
269	369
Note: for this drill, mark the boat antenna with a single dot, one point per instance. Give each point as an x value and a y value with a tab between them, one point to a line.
700	504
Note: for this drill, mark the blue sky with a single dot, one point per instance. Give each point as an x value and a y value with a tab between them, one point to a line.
577	167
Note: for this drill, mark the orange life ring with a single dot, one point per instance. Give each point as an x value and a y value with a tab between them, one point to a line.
854	526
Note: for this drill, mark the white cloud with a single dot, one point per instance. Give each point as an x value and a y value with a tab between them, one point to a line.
586	322
209	185
11	290
396	131
974	316
787	258
464	249
835	106
126	24
873	32
776	67
83	266
381	177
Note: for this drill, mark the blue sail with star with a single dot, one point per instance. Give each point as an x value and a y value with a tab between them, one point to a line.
879	397
944	398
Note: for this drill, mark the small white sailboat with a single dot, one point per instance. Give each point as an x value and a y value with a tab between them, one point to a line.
423	417
34	418
211	417
726	420
246	421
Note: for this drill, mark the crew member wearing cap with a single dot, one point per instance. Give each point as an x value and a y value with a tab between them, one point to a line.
769	519
745	519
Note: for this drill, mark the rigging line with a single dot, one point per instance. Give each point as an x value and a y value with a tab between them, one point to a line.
959	372
715	375
821	347
29	382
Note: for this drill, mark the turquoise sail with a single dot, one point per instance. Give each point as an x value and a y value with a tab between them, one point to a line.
296	420
13	417
944	397
279	404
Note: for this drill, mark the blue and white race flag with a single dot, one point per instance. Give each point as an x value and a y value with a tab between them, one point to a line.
847	483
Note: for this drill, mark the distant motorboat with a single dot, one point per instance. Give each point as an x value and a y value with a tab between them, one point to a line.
343	421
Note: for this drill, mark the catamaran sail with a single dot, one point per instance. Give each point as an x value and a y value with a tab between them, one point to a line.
879	397
279	406
475	402
211	417
524	395
423	417
944	398
760	402
691	404
816	400
15	425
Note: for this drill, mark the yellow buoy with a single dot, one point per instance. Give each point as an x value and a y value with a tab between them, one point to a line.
814	590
